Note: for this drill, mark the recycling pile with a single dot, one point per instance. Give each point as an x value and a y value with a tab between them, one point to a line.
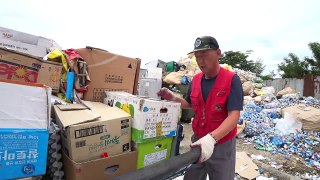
273	128
53	119
183	71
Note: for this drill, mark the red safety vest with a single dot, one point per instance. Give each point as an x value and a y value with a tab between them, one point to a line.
210	115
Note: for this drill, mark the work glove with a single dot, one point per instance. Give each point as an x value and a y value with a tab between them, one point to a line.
206	144
166	94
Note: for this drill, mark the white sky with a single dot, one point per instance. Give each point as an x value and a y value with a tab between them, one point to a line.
167	29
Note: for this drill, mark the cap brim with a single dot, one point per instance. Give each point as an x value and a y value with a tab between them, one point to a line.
196	50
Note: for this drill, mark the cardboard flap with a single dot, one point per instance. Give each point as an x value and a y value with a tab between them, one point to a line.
71	107
245	167
75	114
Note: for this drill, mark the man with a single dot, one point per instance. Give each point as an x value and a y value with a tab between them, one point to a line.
216	96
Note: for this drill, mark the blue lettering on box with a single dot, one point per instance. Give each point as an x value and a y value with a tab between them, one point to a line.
23	152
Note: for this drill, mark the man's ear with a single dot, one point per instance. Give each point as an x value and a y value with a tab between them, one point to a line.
219	52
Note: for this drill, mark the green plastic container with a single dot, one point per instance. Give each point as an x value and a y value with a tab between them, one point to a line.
152	152
170	66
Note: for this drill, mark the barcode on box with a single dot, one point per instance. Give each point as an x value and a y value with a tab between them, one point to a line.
80	144
88	131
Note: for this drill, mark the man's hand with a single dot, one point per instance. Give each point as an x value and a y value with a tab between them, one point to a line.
166	94
206	144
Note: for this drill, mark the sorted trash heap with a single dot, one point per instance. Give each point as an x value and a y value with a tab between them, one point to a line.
273	126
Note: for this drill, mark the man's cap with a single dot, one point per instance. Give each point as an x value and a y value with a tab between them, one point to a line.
204	43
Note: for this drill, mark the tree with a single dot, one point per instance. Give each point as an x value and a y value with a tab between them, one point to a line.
293	67
314	62
238	60
258	67
269	76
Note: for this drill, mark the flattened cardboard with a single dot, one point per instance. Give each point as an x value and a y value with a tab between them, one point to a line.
88	133
100	169
245	167
71	116
26	43
110	72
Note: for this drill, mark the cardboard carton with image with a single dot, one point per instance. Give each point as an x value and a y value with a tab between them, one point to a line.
93	130
151	118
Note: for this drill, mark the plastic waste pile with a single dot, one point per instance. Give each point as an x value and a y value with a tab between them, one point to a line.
273	132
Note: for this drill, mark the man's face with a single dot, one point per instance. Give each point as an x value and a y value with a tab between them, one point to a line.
207	60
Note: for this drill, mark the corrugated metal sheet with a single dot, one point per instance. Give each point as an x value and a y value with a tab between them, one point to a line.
317	87
309	86
280	84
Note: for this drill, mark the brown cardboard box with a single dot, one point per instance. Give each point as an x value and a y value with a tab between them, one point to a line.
100	169
50	75
92	129
26	68
109	72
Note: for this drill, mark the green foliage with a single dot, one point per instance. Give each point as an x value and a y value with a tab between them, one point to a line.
240	60
293	67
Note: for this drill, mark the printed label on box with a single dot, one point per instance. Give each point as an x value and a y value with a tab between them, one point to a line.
98	93
113	79
155	157
18	72
157	124
22	153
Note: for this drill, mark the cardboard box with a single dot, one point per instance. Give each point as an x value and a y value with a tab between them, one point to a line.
23	152
26	43
151	118
154	151
149	87
50	75
92	129
22	67
24	105
24	120
100	169
109	72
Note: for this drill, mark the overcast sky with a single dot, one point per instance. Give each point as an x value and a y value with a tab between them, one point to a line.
167	29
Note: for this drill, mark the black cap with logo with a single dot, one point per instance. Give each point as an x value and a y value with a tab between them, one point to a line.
204	43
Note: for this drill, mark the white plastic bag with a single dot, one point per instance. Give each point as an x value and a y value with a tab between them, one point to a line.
288	125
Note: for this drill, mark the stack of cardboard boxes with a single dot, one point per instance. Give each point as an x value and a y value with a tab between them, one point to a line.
99	140
96	139
154	124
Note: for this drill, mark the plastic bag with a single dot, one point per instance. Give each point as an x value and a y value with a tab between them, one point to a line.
268	90
288	125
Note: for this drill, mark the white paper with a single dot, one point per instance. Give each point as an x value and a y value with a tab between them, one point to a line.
154	157
151	124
